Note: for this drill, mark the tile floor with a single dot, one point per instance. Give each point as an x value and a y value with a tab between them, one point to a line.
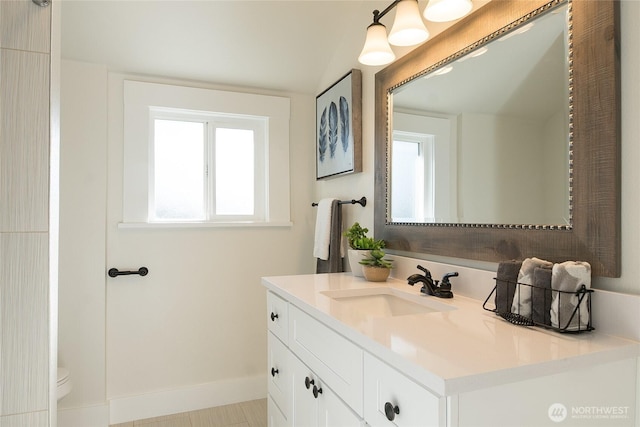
245	414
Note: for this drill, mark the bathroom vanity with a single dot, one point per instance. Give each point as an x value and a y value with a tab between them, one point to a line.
346	352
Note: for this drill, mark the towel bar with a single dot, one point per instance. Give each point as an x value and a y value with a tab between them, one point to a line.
362	202
114	272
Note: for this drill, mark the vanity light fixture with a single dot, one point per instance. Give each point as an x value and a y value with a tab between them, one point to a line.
408	27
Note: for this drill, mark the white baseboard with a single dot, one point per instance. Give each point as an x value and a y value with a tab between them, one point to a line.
88	416
130	408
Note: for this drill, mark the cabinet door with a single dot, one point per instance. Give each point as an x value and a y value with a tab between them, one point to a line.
333	412
275	417
317	405
391	399
279	374
331	356
304	412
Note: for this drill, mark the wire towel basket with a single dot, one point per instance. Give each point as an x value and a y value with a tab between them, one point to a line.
561	311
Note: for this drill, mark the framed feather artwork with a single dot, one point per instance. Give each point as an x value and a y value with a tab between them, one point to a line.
339	127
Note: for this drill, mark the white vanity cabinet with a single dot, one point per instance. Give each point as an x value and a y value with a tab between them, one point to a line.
331	367
321	379
300	395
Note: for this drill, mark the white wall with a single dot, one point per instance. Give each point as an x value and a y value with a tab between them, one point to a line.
630	53
198	319
186	309
83	179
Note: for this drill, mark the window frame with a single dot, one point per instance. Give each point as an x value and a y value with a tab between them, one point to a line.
211	122
143	102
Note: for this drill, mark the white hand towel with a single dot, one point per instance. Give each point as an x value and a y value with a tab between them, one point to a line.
323	229
522	298
570	276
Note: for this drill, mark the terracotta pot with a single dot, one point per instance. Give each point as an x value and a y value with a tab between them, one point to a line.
375	274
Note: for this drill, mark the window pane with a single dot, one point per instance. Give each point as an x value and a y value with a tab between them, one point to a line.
234	171
179	170
407	180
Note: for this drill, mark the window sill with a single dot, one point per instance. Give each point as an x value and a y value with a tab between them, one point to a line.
167	225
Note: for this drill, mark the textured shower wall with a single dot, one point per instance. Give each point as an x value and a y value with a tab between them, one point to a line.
24	213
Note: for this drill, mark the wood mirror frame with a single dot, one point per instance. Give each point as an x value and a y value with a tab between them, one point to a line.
594	234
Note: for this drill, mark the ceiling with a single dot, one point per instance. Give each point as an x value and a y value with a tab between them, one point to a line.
276	45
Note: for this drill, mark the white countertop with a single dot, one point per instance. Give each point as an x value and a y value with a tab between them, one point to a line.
461	349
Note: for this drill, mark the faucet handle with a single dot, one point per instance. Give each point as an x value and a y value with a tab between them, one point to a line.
426	272
445	278
445	286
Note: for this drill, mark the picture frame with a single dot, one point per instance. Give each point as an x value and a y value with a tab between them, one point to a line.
339	127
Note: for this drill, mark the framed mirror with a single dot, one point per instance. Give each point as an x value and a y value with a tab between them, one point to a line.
499	138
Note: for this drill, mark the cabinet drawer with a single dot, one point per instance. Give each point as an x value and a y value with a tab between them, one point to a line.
411	404
334	358
277	316
279	374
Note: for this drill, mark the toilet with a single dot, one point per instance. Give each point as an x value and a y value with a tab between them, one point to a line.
64	383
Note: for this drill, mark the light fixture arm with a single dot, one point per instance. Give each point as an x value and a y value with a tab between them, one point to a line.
377	15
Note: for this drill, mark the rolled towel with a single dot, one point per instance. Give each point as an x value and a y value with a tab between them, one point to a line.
541	296
522	298
569	276
506	278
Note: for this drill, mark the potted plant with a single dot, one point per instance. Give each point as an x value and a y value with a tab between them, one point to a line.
359	246
375	267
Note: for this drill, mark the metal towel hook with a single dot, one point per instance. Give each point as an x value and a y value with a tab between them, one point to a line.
42	3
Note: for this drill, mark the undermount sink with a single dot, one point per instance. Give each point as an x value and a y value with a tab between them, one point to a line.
385	302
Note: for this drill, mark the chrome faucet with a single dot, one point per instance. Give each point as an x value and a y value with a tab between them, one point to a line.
430	286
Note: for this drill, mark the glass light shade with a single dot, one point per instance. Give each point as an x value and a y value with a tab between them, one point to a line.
408	28
376	50
447	10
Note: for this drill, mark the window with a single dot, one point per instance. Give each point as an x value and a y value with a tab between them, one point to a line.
413	169
206	167
198	156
